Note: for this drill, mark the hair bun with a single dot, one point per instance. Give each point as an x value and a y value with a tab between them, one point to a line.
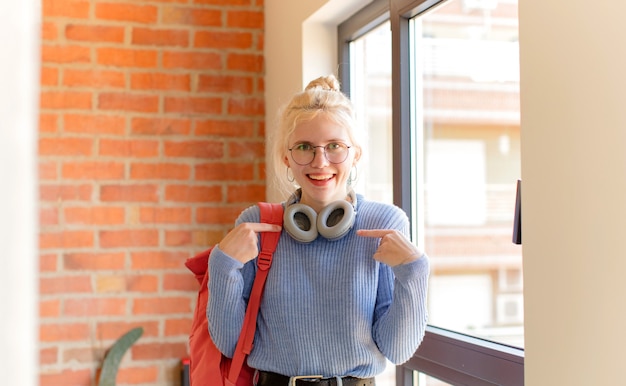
326	83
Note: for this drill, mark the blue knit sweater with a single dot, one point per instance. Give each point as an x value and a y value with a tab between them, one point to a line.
328	307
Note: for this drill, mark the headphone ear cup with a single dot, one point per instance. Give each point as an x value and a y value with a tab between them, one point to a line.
335	220
300	222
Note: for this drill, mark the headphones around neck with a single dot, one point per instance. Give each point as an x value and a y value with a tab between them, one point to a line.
333	222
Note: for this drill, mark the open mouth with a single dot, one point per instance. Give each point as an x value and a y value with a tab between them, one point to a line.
320	177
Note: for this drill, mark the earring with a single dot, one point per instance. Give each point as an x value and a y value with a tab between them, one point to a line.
290	178
354	174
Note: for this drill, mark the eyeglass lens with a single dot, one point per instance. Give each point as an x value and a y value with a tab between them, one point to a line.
304	153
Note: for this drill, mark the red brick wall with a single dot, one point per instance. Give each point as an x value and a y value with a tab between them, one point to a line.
151	142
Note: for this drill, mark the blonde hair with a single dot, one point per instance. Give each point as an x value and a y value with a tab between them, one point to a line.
321	96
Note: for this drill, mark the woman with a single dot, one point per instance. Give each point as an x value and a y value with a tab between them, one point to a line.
347	288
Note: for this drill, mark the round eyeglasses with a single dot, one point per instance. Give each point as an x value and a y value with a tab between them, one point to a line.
304	153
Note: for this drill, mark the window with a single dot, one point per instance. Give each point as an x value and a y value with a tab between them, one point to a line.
437	83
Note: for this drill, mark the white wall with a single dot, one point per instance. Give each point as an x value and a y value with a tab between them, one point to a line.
19	91
573	79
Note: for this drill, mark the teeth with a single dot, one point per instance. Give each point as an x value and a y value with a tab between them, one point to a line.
320	176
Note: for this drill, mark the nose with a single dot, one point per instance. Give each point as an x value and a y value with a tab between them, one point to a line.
319	158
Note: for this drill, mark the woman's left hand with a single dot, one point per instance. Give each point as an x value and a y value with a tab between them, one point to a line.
394	248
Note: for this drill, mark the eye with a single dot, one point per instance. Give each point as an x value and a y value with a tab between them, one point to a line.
303	147
334	146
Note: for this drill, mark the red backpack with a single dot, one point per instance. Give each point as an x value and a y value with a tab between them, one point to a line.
208	366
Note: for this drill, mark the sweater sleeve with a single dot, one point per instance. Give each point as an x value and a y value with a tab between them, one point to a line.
230	283
401	314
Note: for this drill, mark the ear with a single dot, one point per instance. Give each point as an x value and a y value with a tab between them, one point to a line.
286	160
357	156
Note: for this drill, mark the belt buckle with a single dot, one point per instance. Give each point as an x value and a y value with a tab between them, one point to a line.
292	380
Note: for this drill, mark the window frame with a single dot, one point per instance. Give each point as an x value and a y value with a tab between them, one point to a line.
446	355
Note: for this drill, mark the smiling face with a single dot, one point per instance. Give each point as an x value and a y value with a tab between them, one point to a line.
322	182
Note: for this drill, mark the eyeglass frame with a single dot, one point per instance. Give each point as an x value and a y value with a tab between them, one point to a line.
324	151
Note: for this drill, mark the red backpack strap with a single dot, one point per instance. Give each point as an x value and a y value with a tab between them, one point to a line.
271	213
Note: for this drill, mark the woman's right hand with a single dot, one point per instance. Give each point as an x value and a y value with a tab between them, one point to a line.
242	243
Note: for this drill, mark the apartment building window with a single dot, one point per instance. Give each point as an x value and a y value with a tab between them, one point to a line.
437	85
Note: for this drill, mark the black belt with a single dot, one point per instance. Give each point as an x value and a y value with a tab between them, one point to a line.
272	379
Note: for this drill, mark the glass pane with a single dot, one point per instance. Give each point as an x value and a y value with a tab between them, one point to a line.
467	156
426	380
370	60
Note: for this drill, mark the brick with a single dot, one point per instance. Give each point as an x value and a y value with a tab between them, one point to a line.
245	62
161	306
59	332
127	12
160	126
153	351
93	170
223	40
246	150
49	308
94	33
65	377
193	105
64	100
85	355
94	124
179	238
156	259
62	54
55	193
246	106
190	194
246	193
112	330
142	283
192	60
48	355
48	262
48	171
93	261
178	327
48	216
225	84
225	128
95	215
95	307
139	375
66	239
128	148
65	285
129	102
159	171
245	19
193	149
93	78
160	81
129	238
160	215
48	123
192	16
66	146
124	57
160	37
49	76
66	8
217	171
180	282
129	193
224	2
49	31
217	215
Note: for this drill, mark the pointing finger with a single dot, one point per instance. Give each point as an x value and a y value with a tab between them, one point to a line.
377	233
